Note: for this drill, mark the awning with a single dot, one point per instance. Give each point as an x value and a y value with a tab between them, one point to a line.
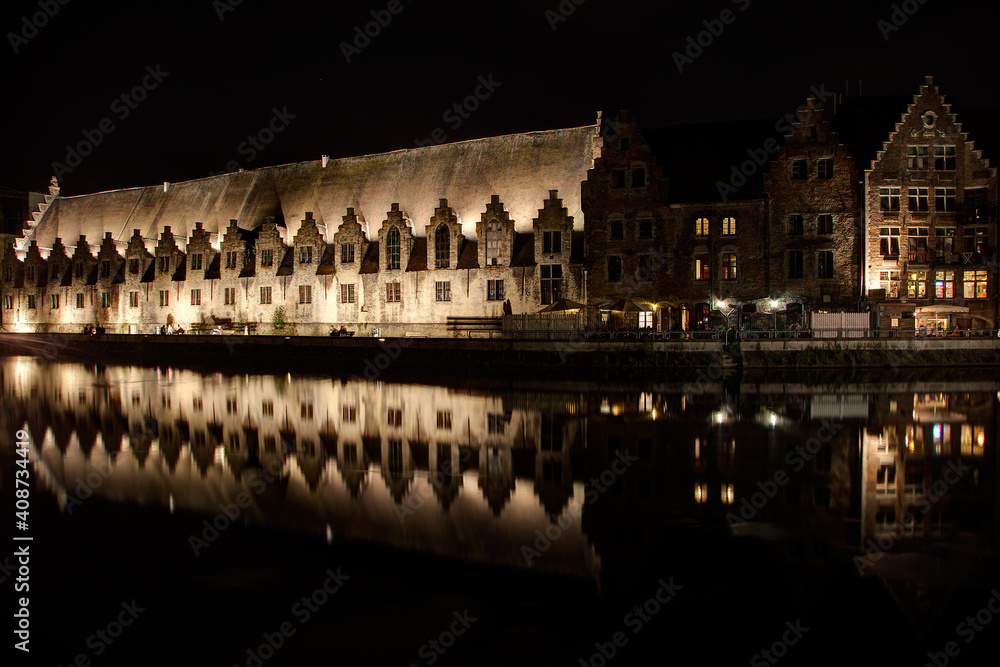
922	310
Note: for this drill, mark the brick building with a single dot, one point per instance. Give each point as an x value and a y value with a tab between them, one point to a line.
930	200
604	214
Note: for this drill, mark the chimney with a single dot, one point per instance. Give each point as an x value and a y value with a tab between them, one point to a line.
326	159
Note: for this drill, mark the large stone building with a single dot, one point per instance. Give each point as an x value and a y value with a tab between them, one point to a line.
405	241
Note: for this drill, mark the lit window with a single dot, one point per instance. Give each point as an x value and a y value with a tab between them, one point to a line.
944	284
916	285
974	283
701	227
702	267
493	238
729	226
917	242
889	281
729	266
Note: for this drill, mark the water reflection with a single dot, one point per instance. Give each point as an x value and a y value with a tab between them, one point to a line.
481	475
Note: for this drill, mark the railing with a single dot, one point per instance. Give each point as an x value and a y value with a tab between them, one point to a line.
918	257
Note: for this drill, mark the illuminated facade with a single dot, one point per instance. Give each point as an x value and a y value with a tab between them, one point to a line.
411	241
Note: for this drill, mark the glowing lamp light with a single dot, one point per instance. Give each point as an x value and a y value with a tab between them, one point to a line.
774	303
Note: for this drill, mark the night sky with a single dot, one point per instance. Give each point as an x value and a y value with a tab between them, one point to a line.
227	72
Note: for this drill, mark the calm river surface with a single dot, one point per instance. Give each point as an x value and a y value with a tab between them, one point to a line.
180	517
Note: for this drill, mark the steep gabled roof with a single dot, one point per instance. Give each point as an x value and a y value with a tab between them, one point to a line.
369	263
519	167
328	262
418	255
468	258
523	253
287	266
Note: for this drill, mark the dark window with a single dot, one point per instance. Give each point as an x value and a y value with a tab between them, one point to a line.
105	268
494	290
347	294
795	224
442	290
551	242
266	258
392	248
618	178
625	145
305	294
196	261
393	293
799	168
824	224
795	264
644	271
824	167
133	266
346	253
442	248
265	295
614	269
638	178
645	229
888	199
944	158
551	283
305	255
617	229
825	264
165	263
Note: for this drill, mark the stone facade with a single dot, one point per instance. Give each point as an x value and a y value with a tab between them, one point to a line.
811	240
812	203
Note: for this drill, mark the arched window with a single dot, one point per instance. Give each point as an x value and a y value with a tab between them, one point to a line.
493	243
392	248
442	248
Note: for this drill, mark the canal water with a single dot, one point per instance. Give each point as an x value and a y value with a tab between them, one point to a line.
245	519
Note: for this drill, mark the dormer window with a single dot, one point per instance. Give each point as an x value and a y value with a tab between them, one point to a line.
392	249
493	243
551	242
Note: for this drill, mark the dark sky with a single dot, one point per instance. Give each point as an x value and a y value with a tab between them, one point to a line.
229	68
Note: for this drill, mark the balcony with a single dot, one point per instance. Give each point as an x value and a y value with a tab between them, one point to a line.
917	257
